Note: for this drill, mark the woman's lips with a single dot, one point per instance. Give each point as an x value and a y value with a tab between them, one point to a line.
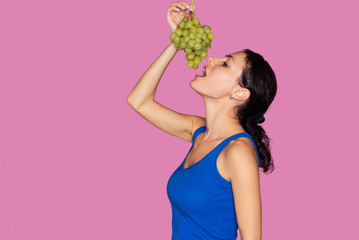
204	74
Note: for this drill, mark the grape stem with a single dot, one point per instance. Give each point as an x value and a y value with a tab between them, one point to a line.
190	15
191	12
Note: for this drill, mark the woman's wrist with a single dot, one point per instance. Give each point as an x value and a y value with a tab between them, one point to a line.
172	46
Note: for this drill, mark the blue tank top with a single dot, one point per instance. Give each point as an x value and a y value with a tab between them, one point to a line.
201	199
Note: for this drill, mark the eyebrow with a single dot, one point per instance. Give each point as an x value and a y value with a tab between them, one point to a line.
229	56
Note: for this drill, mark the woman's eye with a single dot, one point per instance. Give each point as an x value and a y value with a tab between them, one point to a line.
224	63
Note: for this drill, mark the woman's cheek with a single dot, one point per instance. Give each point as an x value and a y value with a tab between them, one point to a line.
215	88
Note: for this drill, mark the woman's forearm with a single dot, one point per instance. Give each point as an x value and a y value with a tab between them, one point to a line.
145	88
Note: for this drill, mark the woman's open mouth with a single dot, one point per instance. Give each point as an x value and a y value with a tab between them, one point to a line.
204	72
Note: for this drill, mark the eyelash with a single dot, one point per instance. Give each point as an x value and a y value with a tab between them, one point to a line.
224	63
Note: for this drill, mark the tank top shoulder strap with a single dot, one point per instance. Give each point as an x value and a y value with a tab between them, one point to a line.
197	132
227	140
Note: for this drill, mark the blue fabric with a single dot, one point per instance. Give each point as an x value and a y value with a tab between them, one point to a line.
201	199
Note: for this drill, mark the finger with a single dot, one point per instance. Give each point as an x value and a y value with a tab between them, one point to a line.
179	5
176	4
171	9
186	5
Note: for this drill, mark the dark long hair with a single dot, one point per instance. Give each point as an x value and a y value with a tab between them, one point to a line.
259	78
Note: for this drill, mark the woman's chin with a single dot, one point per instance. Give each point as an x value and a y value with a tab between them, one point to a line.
195	84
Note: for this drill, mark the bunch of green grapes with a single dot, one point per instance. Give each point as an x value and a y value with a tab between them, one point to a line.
194	39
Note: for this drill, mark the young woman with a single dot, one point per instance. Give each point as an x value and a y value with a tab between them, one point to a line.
216	189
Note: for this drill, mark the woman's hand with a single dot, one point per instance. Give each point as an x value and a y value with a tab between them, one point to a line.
176	13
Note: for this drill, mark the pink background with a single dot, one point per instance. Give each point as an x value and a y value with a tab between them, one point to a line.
77	162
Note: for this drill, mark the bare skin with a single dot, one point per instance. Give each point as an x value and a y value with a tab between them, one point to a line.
237	162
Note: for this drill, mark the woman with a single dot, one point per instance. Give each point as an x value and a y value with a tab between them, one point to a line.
216	189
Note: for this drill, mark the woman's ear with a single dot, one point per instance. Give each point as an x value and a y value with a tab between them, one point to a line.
241	95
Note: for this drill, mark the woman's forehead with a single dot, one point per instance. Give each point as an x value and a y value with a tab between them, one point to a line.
239	55
238	58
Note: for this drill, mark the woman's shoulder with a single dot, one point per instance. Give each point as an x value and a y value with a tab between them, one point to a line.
240	153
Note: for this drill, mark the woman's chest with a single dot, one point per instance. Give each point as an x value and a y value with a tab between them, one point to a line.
197	153
205	153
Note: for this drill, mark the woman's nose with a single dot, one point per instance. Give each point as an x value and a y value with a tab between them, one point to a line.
210	61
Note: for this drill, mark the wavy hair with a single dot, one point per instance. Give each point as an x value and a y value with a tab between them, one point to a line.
259	78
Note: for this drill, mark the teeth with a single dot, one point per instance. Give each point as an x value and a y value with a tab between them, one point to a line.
204	71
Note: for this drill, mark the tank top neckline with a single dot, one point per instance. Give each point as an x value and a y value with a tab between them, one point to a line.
204	129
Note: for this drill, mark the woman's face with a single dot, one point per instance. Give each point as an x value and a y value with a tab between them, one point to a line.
221	76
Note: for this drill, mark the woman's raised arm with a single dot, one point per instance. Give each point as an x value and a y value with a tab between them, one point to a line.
142	96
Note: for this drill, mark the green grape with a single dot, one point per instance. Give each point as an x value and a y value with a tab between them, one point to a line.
177	44
200	30
207	29
207	40
176	39
185	32
192	36
197	46
189	24
195	66
191	56
197	60
203	54
182	24
210	36
193	30
198	40
188	50
172	36
200	35
181	41
183	45
196	22
178	31
187	57
204	36
190	64
186	39
191	43
198	52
